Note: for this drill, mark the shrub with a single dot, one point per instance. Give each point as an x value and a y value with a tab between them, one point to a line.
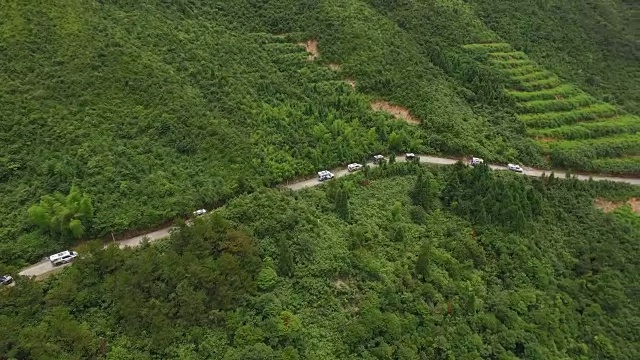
587	130
559	118
564	90
546	106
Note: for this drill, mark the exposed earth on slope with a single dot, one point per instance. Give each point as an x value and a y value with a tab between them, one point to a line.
398	111
311	46
608	206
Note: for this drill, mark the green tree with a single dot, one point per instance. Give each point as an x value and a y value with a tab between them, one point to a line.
285	258
342	203
424	260
63	216
267	278
425	192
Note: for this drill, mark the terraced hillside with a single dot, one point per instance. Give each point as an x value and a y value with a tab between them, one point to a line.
574	129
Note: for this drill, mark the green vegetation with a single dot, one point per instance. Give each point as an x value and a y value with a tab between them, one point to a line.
579	154
591	43
537	94
587	130
63	216
545	106
553	110
549	94
435	263
194	102
559	118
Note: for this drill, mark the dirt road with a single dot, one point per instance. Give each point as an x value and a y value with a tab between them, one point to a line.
45	266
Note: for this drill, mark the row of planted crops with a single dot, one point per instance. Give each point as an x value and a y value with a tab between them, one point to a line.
574	129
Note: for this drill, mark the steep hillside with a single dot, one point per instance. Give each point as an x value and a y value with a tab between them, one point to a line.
575	130
153	108
592	43
405	264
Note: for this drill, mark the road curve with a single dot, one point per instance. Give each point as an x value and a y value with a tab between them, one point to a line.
43	267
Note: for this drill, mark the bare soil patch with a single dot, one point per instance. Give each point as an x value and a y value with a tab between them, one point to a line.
608	206
395	110
340	284
351	83
311	46
545	139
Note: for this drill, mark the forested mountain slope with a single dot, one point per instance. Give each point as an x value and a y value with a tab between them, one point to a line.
398	262
575	129
593	43
153	108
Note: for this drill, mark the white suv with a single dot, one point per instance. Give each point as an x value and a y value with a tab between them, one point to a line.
514	167
475	161
325	175
411	157
63	257
6	280
354	167
200	212
378	159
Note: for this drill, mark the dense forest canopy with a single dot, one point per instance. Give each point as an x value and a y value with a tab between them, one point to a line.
428	263
118	116
154	108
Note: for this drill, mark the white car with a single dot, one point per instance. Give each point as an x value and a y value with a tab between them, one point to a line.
325	175
411	157
63	257
354	167
200	212
476	161
6	280
514	167
378	159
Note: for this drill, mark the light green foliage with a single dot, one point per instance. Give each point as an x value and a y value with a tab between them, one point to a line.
583	154
565	104
63	216
592	129
553	110
555	119
267	278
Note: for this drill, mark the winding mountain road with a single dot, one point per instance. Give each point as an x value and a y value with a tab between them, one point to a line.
44	267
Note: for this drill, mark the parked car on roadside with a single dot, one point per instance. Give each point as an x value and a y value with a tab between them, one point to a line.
514	167
5	280
378	159
476	161
63	257
325	175
411	157
200	212
354	167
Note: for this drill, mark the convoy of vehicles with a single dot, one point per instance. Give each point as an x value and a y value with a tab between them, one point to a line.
63	257
67	256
